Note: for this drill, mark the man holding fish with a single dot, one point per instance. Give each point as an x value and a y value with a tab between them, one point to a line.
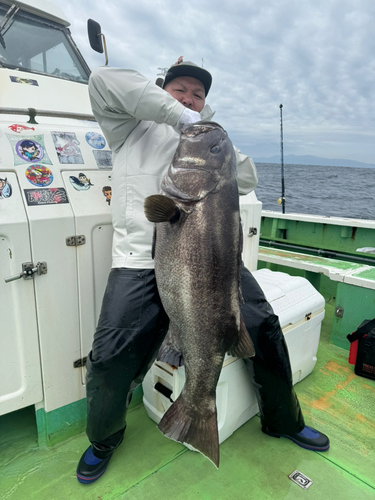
212	303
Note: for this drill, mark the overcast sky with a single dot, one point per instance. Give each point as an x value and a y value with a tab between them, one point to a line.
316	57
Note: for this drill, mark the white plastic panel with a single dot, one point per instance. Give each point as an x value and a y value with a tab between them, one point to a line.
251	212
20	371
93	220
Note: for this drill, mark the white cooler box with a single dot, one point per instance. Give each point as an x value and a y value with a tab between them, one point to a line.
301	311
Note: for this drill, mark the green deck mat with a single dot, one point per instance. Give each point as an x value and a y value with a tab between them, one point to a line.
252	465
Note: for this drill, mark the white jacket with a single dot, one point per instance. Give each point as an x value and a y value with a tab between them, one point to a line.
137	119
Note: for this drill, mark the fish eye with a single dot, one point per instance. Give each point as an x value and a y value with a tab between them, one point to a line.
215	150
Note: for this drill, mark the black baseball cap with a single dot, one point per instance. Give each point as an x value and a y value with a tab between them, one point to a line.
188	68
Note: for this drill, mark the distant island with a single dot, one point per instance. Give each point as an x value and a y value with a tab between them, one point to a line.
313	160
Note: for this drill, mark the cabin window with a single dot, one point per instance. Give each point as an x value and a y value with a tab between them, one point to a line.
41	46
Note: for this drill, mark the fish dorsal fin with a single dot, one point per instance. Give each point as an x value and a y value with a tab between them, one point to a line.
244	347
159	208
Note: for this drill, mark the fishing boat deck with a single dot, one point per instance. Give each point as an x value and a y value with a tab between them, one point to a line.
252	465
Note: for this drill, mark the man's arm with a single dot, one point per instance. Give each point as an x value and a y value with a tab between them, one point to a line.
247	177
120	98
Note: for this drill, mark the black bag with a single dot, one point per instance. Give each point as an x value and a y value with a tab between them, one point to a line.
365	349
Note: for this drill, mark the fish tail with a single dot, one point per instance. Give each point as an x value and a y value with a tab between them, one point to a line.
197	432
159	208
244	347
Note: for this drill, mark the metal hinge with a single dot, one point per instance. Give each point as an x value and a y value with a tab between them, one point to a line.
78	363
252	231
75	241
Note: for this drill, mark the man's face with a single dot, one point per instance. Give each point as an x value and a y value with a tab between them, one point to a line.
188	91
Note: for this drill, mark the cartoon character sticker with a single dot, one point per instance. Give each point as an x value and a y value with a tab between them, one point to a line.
5	189
19	128
107	191
95	140
82	183
39	175
29	149
103	158
67	147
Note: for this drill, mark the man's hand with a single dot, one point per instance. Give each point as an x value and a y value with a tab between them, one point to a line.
187	116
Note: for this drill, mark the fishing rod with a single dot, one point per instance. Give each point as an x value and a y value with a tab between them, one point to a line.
282	160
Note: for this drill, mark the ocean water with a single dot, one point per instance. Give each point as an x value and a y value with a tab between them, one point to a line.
319	190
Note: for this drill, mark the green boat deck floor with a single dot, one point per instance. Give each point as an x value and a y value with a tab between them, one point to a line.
252	465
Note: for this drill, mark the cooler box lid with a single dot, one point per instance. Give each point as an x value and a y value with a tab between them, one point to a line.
291	297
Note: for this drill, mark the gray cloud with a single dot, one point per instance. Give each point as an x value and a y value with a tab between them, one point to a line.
314	56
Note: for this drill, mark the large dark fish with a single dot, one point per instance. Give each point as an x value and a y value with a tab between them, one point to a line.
197	251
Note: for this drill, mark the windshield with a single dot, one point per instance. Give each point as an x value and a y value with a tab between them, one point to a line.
40	46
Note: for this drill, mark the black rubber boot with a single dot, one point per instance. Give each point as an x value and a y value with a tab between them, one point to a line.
90	468
308	438
95	460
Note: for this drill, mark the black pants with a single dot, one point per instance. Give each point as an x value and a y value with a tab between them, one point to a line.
131	328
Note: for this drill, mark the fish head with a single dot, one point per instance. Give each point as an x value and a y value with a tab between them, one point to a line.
203	162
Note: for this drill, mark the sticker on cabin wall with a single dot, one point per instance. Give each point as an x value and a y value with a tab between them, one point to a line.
67	147
29	149
107	191
80	183
19	128
5	188
25	81
39	175
95	140
103	159
49	196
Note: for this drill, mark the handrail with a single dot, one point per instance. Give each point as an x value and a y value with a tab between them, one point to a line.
318	251
32	113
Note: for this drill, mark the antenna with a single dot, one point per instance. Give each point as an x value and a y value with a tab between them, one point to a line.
282	160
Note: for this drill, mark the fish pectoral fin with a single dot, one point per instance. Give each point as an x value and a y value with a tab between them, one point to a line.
197	432
159	208
244	347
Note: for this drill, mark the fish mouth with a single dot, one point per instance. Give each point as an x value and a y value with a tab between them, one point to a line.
189	184
176	170
186	161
